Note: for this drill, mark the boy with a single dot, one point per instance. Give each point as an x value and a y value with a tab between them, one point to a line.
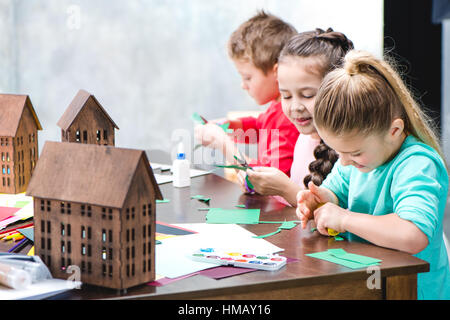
254	48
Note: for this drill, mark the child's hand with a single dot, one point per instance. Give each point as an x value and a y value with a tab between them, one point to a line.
268	180
309	200
210	135
330	216
241	180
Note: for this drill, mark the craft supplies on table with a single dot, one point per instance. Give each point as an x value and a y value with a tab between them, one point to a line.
244	259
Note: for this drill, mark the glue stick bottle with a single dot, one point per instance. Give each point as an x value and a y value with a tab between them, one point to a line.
181	169
13	277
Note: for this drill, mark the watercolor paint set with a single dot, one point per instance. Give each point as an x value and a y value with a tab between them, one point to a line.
268	262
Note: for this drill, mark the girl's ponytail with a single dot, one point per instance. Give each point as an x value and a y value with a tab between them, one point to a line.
367	94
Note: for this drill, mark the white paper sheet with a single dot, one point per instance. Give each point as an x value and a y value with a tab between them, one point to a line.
172	255
167	177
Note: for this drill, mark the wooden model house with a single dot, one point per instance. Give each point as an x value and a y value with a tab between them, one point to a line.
18	142
94	207
86	121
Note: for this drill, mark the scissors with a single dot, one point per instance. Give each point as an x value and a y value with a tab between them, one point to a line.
241	160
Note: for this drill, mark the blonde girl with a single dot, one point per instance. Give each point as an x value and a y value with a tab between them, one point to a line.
390	183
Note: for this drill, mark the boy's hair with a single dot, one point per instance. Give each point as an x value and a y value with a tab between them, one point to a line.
260	40
329	47
365	96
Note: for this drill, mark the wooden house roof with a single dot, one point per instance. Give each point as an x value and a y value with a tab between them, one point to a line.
87	173
11	110
76	106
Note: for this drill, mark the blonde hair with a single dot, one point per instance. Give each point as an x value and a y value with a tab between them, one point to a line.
260	40
366	94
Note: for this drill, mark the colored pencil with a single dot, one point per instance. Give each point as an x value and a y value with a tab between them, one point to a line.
18	244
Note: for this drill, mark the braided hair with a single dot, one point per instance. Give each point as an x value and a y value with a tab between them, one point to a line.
330	47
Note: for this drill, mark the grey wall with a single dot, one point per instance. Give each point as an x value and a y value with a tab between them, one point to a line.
151	63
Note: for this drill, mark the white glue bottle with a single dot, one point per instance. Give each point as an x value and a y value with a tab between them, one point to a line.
181	169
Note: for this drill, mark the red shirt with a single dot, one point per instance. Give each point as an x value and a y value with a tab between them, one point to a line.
276	137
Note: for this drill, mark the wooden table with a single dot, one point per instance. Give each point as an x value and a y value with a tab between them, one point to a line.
308	278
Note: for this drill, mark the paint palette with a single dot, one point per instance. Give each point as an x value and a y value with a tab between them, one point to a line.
239	259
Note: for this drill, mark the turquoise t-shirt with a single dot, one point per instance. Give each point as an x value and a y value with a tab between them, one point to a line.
413	185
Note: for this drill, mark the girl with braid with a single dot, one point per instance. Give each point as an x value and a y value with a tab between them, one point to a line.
302	64
390	184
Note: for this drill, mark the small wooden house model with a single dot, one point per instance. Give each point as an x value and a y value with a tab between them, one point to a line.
94	207
18	142
86	121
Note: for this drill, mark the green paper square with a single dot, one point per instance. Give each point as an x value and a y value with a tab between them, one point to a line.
233	216
327	256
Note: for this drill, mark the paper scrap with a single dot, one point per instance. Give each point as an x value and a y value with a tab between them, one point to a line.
341	257
285	225
201	198
233	216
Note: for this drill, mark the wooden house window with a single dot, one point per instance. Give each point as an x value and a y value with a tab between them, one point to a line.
6	141
8	170
83	249
3	169
83	232
7	156
78	136
103	253
89	232
49	227
69	208
3	156
110	214
84	136
132	212
48	205
63	230
42	205
128	213
4	181
89	211
21	140
32	137
1	139
105	135
9	181
98	135
144	210
82	209
110	236
103	213
42	226
62	207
